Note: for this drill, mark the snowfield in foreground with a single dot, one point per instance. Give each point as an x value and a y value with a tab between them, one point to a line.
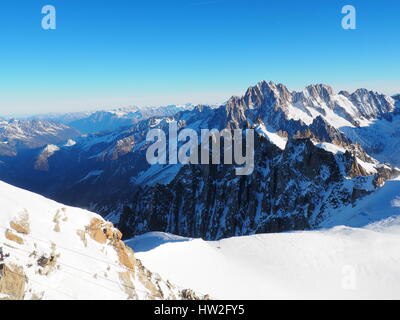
337	263
340	263
52	251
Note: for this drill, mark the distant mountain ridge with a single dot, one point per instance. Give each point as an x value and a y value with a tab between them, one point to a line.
114	119
31	134
88	122
317	151
37	131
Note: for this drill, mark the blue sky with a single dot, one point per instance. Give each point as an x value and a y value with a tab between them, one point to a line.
125	52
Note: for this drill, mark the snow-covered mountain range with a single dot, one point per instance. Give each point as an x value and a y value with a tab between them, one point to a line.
325	162
317	152
19	134
52	251
16	135
108	120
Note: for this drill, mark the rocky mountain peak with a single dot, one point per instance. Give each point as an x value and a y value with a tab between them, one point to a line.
344	93
320	90
267	94
372	104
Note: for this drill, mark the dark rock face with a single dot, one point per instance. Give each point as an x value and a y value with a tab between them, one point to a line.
291	189
323	131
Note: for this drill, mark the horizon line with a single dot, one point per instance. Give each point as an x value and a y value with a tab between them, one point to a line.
115	107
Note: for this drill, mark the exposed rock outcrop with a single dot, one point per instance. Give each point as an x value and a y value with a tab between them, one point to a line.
12	282
291	189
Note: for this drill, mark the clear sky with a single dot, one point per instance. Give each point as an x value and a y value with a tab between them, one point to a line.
110	53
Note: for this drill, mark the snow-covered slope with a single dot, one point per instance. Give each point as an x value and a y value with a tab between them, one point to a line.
383	203
50	251
339	263
381	139
358	260
151	240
